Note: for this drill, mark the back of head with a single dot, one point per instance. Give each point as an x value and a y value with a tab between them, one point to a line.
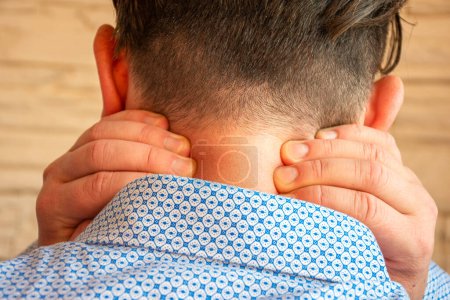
266	64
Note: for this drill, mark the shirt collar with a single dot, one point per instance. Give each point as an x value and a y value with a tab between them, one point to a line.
234	225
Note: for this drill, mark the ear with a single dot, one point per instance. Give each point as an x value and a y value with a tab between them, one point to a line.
385	103
112	71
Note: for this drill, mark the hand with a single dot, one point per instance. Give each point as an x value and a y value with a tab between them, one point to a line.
358	171
118	149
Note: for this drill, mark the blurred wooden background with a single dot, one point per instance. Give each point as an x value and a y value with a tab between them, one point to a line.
49	95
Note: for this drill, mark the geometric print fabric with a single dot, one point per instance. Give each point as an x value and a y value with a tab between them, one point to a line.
172	237
225	223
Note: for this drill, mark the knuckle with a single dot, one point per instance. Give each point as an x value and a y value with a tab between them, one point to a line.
318	193
392	147
376	174
133	114
157	119
318	168
144	114
433	210
424	245
365	207
429	210
390	141
53	170
356	129
328	147
95	132
323	195
162	121
98	153
99	184
48	171
40	205
146	131
151	156
48	203
43	202
373	152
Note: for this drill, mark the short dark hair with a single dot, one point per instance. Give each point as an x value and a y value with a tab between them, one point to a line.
270	63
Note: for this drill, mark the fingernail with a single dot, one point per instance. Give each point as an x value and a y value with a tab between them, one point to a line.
286	174
173	144
183	166
327	134
297	150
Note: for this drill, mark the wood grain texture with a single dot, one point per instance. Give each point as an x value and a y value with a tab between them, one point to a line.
422	128
428	7
49	94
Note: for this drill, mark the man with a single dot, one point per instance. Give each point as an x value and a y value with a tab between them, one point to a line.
268	72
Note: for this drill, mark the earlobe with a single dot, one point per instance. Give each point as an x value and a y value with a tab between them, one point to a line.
385	103
112	71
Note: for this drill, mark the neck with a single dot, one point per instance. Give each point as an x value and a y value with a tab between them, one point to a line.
246	161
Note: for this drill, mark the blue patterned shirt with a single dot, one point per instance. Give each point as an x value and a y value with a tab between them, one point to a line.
181	238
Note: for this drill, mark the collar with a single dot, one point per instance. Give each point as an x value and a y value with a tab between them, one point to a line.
229	224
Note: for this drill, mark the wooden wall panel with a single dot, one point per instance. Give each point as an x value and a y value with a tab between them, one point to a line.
428	7
423	126
49	95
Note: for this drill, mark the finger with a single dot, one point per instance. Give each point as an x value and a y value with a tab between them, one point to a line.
77	200
86	197
118	155
364	134
141	116
361	175
296	151
386	224
135	132
362	206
